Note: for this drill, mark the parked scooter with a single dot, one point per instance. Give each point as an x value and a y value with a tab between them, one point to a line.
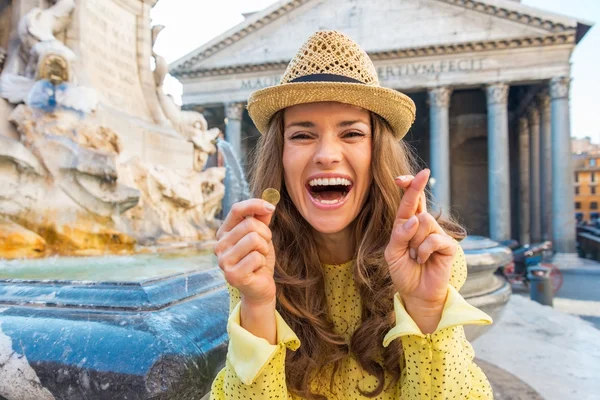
527	256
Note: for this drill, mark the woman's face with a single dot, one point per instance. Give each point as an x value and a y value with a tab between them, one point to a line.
327	162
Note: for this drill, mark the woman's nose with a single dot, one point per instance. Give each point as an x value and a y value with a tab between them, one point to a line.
328	152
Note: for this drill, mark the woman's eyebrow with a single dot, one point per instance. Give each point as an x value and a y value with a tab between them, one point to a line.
350	123
302	124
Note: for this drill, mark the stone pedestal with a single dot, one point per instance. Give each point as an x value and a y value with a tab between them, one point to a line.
112	40
483	288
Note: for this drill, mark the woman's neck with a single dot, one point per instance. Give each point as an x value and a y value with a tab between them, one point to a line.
335	248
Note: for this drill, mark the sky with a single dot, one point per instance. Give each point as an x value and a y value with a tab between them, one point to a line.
191	23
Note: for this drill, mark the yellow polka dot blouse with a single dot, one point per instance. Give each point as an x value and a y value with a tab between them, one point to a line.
435	366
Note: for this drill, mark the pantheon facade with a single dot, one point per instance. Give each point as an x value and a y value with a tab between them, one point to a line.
490	79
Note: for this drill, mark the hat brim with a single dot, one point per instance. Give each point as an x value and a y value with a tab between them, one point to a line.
395	107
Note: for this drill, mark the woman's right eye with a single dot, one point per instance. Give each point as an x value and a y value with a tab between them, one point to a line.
300	136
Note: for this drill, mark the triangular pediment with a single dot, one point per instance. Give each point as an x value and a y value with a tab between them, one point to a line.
275	34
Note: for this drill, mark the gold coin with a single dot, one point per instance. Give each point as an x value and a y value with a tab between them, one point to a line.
271	195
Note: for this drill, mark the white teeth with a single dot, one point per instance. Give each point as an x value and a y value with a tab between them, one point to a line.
328	201
329	181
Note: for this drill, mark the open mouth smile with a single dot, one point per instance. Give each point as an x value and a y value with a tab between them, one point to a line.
329	191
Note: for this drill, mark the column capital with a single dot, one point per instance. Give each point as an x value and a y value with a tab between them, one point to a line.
497	93
534	115
234	110
523	124
559	87
543	100
440	96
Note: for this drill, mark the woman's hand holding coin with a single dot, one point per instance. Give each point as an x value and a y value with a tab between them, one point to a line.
419	254
245	250
247	258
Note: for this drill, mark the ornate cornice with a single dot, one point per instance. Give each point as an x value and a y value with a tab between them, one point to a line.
252	25
559	87
497	93
440	97
438	50
512	15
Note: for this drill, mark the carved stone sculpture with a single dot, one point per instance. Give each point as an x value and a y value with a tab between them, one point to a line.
68	182
173	203
38	25
190	124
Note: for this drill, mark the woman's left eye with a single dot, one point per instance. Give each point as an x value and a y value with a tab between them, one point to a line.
353	134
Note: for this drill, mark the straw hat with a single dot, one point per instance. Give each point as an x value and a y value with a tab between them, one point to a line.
332	67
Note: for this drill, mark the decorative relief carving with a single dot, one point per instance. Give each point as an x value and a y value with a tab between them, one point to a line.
497	93
440	97
234	110
559	87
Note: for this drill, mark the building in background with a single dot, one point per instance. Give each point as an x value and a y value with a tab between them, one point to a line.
490	79
584	146
587	191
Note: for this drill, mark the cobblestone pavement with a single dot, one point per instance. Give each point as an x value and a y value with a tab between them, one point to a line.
505	385
553	352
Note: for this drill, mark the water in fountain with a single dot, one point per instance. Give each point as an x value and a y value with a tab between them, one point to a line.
236	185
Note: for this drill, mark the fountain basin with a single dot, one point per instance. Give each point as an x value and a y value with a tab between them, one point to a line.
484	288
112	327
146	326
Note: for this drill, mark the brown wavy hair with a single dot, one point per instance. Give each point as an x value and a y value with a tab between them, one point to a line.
299	277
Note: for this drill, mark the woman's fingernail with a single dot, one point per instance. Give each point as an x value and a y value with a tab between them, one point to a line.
419	260
401	178
410	223
270	207
413	253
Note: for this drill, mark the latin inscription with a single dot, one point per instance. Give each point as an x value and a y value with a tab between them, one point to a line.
260	83
430	68
392	72
109	44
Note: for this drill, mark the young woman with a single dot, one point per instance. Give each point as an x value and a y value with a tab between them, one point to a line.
348	289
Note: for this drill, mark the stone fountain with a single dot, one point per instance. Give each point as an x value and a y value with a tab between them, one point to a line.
94	157
97	161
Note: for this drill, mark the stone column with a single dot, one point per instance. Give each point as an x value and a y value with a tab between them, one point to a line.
534	172
545	166
233	126
498	162
563	200
439	136
524	232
